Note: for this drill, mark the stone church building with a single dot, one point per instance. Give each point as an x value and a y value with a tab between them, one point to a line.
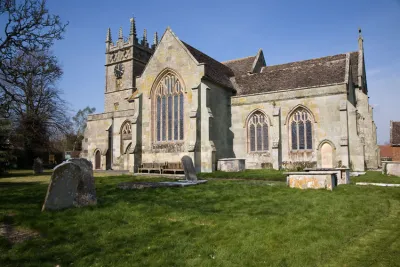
168	99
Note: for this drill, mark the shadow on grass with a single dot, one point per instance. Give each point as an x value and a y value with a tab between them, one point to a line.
24	173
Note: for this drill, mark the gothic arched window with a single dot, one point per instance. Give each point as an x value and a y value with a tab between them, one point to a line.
169	103
301	130
257	129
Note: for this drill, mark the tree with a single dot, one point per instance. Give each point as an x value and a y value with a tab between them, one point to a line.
80	125
38	113
29	30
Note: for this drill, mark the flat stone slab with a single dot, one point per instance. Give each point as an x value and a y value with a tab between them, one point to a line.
379	184
142	185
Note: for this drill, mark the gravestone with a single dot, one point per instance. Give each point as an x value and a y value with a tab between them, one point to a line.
37	166
63	187
188	167
71	185
86	194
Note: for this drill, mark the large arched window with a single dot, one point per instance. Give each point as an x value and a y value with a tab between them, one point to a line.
301	130
257	132
168	103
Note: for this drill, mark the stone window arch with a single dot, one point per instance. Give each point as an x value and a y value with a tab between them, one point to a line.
301	130
126	135
257	132
168	107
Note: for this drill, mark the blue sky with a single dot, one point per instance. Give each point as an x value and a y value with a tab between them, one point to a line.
286	31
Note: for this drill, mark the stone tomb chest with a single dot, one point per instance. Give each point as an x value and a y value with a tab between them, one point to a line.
311	180
231	165
342	174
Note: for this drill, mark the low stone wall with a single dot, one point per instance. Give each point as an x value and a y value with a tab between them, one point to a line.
231	165
391	168
311	180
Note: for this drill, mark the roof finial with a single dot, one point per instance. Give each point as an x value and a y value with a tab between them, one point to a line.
120	36
360	40
108	38
144	40
155	39
133	27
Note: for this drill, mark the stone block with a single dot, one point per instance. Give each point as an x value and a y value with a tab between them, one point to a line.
231	165
311	180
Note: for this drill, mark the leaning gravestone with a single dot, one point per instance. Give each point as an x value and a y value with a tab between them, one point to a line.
63	186
37	166
71	185
86	194
188	167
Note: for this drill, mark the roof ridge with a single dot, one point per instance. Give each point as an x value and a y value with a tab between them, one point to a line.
237	59
304	60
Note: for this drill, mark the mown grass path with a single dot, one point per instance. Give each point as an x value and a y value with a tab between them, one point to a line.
221	223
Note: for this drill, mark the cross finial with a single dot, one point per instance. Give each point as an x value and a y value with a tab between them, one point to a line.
133	27
120	36
108	38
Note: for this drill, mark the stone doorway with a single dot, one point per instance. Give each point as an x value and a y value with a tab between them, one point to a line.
97	160
326	156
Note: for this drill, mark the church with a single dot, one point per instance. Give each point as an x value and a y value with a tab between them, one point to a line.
168	99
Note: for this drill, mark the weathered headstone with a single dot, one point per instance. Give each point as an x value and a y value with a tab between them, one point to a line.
63	187
71	185
188	167
86	194
37	166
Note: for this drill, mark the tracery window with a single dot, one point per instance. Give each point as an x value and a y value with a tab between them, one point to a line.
257	128
169	108
126	128
301	130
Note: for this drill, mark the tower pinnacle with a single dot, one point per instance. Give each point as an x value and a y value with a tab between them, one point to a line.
155	40
360	40
133	27
120	35
108	38
144	40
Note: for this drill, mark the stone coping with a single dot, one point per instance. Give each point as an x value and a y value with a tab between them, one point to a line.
226	159
391	162
309	173
379	184
325	169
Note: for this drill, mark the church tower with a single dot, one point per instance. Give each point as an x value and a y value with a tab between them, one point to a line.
125	59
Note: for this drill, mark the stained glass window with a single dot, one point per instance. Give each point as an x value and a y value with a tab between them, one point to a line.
169	102
257	132
294	135
301	130
308	135
158	118
252	138
170	117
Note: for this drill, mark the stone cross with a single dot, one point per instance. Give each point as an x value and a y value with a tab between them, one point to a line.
188	167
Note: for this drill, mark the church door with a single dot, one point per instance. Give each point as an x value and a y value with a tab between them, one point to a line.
326	156
97	160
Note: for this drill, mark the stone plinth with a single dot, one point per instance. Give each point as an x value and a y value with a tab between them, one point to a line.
391	168
342	174
231	165
311	180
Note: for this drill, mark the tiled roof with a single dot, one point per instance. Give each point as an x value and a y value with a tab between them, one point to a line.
240	66
215	70
307	73
354	66
386	151
395	133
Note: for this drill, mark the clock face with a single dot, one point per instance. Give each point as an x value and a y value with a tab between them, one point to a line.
119	70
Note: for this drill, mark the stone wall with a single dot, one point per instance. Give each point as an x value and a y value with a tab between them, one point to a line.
328	124
395	153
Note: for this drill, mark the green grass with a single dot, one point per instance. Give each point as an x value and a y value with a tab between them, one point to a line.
263	174
376	177
221	223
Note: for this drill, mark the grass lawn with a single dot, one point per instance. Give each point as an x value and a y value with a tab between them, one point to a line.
263	174
221	223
